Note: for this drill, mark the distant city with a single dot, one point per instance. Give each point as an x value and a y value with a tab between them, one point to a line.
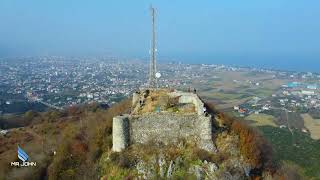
56	82
42	96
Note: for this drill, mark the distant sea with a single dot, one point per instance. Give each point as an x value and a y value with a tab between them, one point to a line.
300	66
286	64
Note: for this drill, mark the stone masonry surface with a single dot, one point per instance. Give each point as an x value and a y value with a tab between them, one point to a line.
165	127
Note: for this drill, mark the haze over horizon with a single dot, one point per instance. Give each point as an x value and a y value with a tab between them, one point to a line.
281	34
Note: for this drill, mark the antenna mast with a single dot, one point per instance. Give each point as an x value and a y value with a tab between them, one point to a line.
153	69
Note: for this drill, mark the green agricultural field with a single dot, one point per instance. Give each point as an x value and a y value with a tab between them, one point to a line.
261	120
299	149
222	96
260	92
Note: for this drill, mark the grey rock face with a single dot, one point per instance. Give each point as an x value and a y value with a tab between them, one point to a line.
212	167
145	170
170	169
140	166
162	165
197	171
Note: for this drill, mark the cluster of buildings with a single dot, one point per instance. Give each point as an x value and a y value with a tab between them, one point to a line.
62	82
300	94
294	96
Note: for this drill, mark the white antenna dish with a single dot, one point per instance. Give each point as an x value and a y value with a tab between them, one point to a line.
158	75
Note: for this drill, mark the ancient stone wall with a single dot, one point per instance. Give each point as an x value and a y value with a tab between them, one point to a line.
169	128
205	131
165	127
185	97
135	98
120	133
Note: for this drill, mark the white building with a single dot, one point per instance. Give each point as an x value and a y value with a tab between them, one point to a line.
304	92
282	126
313	87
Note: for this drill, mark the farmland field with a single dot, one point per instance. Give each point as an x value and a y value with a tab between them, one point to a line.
261	120
312	125
305	152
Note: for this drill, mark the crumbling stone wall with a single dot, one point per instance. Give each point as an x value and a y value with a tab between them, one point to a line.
120	133
205	130
185	97
169	128
165	127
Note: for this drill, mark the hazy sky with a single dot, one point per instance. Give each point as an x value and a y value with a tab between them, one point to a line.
240	30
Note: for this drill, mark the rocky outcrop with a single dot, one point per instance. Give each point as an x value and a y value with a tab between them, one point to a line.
169	169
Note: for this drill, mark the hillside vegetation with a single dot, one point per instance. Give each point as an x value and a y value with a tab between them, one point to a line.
76	144
299	151
78	136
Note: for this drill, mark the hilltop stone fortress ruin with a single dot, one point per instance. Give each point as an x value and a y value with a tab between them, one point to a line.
163	116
